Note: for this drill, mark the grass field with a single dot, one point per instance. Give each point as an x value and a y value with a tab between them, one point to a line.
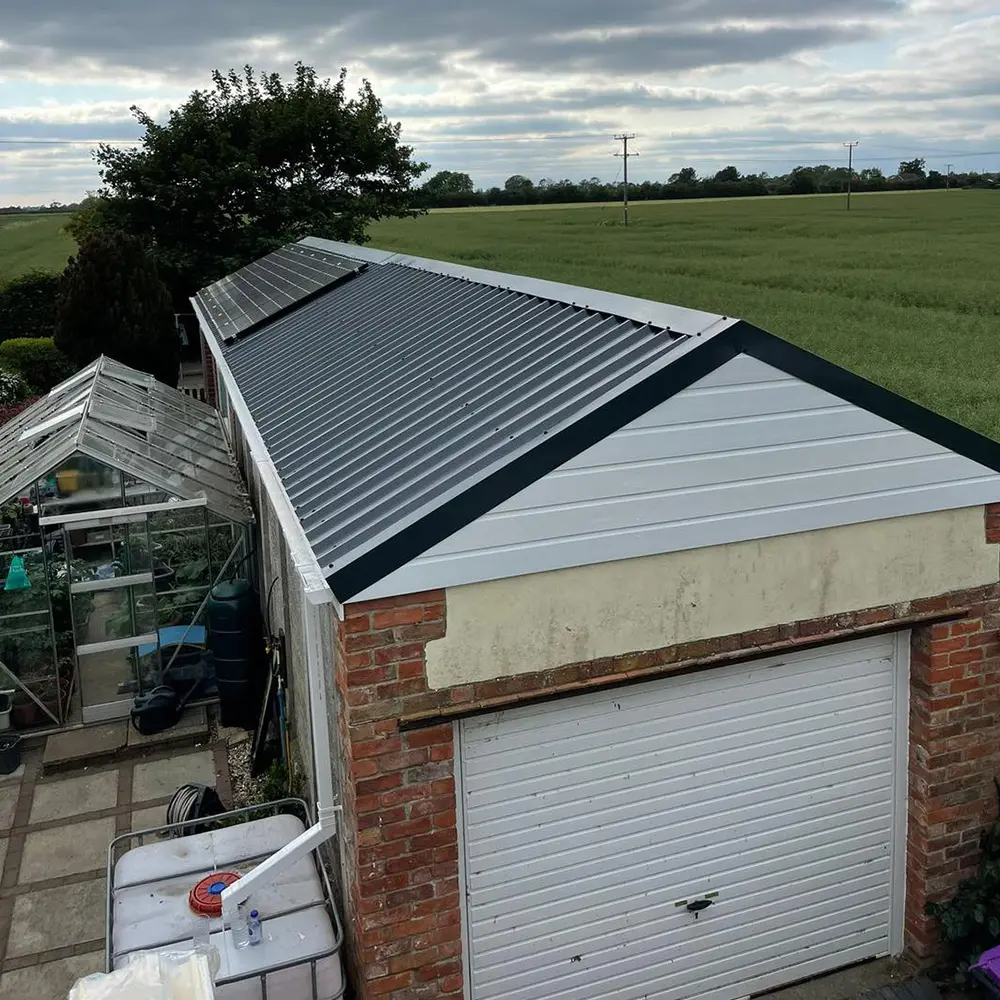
29	241
903	290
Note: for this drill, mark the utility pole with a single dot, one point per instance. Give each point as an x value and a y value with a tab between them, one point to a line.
947	183
625	154
850	168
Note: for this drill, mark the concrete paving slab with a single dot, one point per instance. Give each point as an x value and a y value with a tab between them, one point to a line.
56	918
50	981
66	850
82	746
72	796
14	777
8	803
144	819
191	729
157	778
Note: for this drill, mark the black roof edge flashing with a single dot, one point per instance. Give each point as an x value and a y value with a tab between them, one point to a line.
740	338
528	468
855	389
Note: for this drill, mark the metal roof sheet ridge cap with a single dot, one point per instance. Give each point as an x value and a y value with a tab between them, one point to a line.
684	346
646	312
630	307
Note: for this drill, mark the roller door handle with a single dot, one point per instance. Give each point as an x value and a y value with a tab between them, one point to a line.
698	905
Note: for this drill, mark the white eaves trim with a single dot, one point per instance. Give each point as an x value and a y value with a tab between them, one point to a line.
676	319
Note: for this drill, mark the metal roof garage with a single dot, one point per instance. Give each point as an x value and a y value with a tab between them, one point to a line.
650	636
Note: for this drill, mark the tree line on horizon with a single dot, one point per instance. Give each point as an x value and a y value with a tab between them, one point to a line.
454	189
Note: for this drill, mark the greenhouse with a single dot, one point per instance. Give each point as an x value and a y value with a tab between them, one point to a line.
122	508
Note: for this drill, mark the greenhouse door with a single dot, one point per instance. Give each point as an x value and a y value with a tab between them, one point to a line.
112	594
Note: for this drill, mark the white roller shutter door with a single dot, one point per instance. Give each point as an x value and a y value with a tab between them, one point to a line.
774	789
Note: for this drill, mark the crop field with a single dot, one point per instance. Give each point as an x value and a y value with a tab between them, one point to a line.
30	241
904	290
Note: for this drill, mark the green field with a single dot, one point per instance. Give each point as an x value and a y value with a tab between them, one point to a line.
30	241
904	290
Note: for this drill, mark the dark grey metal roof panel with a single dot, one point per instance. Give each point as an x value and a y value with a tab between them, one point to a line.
388	395
242	301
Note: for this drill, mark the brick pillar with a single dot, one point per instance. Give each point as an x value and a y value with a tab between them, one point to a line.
954	756
401	872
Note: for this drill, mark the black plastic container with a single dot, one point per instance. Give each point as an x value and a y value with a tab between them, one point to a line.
237	645
10	754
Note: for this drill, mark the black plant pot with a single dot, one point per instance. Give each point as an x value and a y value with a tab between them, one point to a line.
163	578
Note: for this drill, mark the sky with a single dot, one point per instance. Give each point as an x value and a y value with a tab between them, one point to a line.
537	87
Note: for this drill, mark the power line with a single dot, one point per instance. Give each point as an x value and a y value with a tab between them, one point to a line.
850	167
623	138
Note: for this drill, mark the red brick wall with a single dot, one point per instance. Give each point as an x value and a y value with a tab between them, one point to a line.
954	755
400	842
402	870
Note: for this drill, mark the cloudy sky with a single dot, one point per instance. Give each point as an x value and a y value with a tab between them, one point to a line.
529	86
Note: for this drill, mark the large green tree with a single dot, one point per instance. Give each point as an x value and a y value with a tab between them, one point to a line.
112	301
250	164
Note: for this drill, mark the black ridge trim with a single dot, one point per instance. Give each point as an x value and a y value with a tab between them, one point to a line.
530	467
741	338
883	402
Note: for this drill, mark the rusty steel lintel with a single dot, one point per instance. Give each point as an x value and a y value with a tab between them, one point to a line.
439	716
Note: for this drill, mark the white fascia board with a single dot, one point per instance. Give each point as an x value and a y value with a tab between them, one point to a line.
677	319
317	590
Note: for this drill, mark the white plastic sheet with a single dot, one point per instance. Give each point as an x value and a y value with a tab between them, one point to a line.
152	975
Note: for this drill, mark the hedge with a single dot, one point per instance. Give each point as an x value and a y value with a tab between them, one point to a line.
37	360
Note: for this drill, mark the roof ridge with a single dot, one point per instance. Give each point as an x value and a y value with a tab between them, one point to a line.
674	319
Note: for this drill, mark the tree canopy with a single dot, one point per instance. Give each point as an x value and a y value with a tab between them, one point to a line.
248	165
113	302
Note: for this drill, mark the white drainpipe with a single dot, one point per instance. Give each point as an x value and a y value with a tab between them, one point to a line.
319	598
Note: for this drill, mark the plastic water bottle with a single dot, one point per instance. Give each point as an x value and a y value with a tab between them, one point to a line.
255	931
240	927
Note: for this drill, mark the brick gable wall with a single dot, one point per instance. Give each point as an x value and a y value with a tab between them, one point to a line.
400	847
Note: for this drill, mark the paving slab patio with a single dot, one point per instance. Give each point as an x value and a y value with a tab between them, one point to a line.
54	836
66	850
72	796
79	747
50	980
158	778
56	918
8	803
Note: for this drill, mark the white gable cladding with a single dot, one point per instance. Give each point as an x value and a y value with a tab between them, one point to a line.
747	452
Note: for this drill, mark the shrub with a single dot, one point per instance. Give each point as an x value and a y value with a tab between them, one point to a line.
12	387
11	411
37	360
28	305
113	302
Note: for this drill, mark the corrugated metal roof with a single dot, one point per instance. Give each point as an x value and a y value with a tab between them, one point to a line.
387	396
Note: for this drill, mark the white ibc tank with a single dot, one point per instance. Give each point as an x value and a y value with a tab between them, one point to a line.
151	911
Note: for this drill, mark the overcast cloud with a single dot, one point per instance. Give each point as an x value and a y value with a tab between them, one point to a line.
764	84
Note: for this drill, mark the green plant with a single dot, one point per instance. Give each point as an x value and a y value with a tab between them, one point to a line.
13	388
37	360
113	302
970	920
28	305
